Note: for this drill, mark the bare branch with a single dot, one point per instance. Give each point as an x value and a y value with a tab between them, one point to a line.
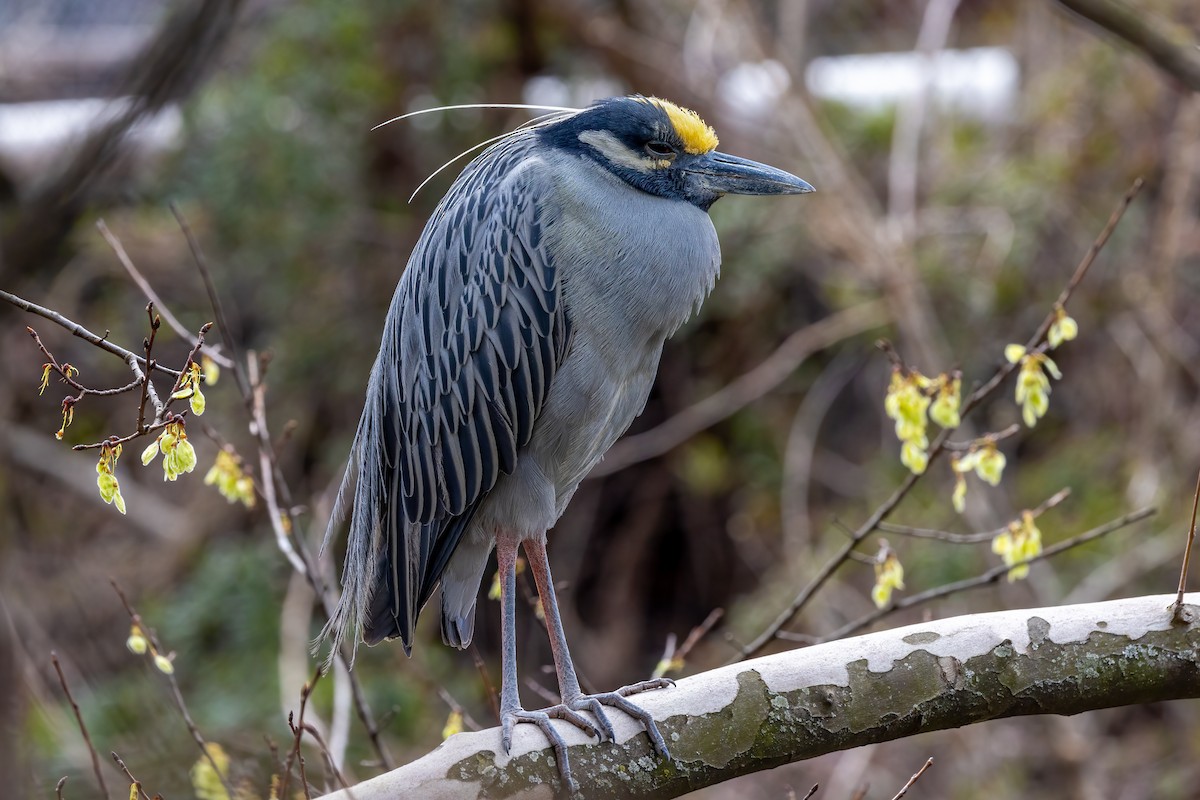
148	290
916	776
78	330
132	780
214	299
1187	554
990	576
62	681
176	694
971	538
298	726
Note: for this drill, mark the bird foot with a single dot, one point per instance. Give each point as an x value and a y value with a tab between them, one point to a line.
595	703
541	719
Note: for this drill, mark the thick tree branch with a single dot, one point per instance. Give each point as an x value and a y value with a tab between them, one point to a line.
880	687
1170	47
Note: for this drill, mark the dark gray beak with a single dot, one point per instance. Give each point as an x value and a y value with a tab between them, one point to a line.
725	174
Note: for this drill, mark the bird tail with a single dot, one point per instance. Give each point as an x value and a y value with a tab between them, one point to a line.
362	552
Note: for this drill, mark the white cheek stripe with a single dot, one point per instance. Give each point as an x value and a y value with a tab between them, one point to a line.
615	151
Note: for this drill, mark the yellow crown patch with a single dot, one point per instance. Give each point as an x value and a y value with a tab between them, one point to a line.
697	135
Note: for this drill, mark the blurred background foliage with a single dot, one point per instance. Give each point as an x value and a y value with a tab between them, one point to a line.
302	210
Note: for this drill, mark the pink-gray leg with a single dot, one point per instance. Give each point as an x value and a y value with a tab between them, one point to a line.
511	711
572	696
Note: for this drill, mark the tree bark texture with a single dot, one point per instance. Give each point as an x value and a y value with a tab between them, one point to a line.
803	703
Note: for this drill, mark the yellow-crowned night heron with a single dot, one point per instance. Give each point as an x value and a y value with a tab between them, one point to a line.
521	342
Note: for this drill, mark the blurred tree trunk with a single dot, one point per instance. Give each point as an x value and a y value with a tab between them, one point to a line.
1170	47
171	67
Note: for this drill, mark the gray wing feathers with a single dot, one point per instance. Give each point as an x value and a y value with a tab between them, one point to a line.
474	336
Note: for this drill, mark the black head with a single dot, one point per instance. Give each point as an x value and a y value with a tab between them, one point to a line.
665	150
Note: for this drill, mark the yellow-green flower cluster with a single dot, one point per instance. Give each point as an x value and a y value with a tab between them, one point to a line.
1019	542
1033	384
984	460
207	779
139	644
68	412
889	575
189	387
671	664
906	403
494	589
1063	329
106	479
454	724
67	368
233	484
178	454
910	403
211	371
947	401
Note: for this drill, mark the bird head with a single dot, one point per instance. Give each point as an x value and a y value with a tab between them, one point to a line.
665	150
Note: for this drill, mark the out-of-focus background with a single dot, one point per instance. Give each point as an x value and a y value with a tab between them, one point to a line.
965	154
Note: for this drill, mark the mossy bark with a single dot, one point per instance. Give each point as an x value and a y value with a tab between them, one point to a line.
875	688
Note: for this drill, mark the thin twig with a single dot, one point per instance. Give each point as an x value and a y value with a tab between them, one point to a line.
970	538
1177	614
827	570
812	791
78	330
1076	277
62	680
204	329
455	706
938	444
114	440
298	726
141	380
489	689
312	731
990	576
147	347
214	300
280	516
58	787
916	776
274	749
64	373
132	780
177	695
673	658
987	438
148	290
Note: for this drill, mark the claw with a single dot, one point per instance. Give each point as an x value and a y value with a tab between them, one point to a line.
602	729
595	703
542	720
643	686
